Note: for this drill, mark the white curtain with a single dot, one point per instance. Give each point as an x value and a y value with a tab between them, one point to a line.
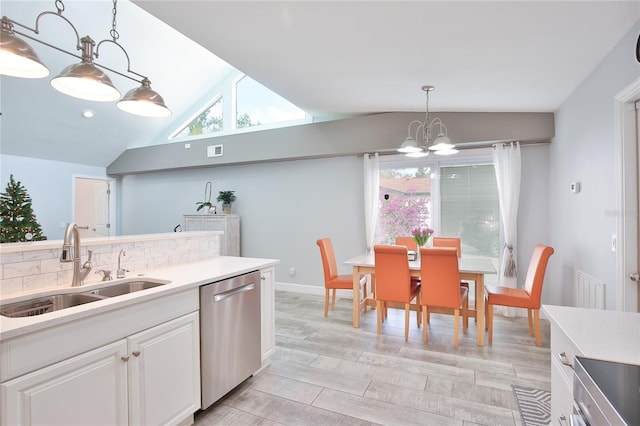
506	159
371	197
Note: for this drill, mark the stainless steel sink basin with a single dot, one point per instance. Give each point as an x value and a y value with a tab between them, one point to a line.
43	305
126	288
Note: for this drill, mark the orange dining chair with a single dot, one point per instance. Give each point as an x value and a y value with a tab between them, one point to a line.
408	242
528	298
441	286
453	242
393	282
411	244
333	281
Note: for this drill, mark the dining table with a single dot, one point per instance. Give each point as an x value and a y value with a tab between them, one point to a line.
472	268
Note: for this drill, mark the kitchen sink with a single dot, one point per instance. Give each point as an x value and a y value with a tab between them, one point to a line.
43	305
46	304
126	288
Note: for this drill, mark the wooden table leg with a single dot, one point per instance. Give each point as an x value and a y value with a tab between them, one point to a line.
356	297
480	319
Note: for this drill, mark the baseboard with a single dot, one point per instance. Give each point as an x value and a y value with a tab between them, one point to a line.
311	289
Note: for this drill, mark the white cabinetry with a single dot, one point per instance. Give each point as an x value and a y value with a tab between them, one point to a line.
562	354
267	309
136	365
164	372
228	223
88	389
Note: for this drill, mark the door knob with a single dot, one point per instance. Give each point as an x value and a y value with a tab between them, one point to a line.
635	277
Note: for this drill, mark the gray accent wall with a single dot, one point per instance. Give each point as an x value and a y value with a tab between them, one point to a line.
583	150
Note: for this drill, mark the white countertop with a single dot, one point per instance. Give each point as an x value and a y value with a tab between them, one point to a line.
181	277
607	335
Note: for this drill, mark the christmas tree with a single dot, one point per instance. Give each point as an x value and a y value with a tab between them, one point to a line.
17	220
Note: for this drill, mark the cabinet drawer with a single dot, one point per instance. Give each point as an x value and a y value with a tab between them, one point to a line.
561	394
563	350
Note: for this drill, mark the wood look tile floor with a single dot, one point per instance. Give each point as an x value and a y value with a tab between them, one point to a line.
325	372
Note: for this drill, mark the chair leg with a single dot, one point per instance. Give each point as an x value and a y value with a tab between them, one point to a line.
418	313
424	320
530	322
326	301
536	316
364	296
379	313
465	315
406	320
456	326
489	319
333	300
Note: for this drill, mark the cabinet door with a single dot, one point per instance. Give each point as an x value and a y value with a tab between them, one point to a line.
193	223
267	308
164	372
88	389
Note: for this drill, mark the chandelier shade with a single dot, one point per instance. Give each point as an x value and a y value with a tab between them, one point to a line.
144	101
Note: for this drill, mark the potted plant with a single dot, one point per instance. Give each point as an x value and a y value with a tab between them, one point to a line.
226	197
210	208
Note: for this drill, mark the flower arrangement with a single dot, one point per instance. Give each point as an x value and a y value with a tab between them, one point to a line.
421	235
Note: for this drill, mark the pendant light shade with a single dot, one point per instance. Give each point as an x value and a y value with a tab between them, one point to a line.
442	142
85	81
17	58
409	145
144	101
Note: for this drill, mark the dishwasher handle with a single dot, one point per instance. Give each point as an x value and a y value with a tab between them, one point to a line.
230	293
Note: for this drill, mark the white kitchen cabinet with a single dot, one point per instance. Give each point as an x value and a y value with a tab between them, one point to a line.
149	378
164	372
267	309
227	223
88	389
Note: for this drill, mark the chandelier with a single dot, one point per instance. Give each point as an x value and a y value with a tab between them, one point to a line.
421	144
84	80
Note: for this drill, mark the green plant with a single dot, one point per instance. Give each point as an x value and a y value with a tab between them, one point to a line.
227	197
207	197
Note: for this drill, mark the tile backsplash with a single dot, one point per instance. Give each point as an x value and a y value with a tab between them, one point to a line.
32	266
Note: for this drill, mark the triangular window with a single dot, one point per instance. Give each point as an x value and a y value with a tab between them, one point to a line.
209	121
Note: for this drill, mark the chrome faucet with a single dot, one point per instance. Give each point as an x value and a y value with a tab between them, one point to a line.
79	274
120	273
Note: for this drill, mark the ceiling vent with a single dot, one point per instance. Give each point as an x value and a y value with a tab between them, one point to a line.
214	151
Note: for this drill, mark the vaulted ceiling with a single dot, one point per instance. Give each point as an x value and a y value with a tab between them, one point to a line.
327	57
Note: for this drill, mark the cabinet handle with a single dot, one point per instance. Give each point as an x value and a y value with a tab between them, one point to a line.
562	420
125	358
565	360
263	278
135	353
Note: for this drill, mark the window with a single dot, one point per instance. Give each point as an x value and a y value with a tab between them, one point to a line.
256	105
209	121
456	199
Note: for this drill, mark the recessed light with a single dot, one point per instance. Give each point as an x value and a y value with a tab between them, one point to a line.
87	114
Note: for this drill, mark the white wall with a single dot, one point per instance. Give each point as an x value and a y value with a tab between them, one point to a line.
50	185
583	150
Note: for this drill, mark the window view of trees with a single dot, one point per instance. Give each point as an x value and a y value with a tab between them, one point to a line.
210	121
405	202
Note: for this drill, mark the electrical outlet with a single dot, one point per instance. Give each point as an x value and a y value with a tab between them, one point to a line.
614	243
292	271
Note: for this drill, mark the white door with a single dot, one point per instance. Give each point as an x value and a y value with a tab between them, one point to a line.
92	206
637	239
89	389
164	372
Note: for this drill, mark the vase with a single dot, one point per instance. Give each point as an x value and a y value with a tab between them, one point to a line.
226	208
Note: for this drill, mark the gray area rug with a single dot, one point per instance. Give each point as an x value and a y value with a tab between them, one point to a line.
534	405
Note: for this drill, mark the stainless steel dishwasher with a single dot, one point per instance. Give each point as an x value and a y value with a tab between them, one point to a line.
229	334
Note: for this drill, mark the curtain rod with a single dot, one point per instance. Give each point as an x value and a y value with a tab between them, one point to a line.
469	145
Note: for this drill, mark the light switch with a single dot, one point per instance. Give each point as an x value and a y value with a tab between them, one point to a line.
614	243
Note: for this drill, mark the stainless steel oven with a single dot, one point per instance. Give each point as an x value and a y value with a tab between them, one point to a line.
605	393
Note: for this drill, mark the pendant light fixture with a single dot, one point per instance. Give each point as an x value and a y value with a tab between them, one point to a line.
84	80
421	144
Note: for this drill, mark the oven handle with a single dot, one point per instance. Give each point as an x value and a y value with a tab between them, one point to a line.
230	293
577	420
